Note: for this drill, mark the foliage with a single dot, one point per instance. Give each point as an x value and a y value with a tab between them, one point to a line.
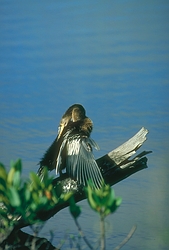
102	201
25	198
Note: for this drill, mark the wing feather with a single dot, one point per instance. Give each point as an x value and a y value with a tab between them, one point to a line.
80	163
59	158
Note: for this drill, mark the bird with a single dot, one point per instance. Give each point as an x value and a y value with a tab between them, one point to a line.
72	149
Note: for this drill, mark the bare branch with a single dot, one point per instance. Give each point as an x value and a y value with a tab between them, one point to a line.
132	231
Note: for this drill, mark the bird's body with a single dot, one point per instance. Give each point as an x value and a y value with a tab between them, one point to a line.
72	148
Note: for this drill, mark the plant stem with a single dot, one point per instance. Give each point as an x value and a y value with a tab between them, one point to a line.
102	228
82	235
130	234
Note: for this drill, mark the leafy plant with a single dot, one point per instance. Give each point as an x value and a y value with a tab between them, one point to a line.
26	199
102	201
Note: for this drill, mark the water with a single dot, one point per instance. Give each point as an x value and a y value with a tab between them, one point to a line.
112	57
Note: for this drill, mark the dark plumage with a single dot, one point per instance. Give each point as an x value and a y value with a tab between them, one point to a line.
72	148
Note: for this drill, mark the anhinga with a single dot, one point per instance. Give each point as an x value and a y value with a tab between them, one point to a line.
72	149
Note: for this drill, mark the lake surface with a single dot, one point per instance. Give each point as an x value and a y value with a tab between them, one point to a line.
112	57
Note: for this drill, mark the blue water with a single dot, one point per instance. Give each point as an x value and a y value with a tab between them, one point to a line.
112	57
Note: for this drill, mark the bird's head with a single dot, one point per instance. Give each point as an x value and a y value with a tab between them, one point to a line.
74	113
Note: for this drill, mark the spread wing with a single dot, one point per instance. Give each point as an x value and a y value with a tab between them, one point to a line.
80	162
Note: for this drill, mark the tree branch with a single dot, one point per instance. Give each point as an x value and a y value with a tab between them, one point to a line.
115	167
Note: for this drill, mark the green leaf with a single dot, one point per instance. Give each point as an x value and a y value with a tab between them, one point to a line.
66	196
114	205
17	165
10	176
35	197
17	179
14	197
92	198
43	200
118	201
36	183
3	198
103	200
27	194
2	185
74	209
33	206
2	189
3	173
108	196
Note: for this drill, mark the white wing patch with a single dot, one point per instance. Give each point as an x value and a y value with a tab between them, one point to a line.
80	162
